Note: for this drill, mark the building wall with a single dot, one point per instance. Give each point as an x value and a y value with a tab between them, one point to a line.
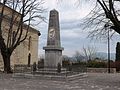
20	54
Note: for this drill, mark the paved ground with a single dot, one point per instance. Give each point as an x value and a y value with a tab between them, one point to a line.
92	82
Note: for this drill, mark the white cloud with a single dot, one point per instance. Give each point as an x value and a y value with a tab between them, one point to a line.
50	4
69	34
72	37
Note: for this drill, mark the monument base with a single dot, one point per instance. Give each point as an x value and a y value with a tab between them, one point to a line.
51	71
53	56
51	74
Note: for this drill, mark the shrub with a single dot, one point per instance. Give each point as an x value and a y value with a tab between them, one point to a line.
70	67
96	64
117	63
65	63
59	68
34	66
41	64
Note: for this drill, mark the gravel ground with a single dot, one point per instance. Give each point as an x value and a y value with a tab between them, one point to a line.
93	81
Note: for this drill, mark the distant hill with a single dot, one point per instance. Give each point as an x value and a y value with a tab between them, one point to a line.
105	55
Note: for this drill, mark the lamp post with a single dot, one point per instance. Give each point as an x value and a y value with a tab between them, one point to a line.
108	52
106	25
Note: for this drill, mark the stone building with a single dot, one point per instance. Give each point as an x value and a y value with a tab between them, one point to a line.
27	51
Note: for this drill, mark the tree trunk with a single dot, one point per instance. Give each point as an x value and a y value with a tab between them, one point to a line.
6	60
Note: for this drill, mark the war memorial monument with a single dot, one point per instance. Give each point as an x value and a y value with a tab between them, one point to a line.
52	68
53	50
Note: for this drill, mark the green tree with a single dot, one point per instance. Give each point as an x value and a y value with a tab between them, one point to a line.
118	51
23	13
117	60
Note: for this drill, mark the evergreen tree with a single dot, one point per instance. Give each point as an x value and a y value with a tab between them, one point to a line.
118	51
118	57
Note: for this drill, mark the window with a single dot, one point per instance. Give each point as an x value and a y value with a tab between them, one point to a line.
29	43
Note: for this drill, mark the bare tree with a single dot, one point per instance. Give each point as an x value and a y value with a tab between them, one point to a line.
66	61
78	56
89	53
104	12
21	14
65	58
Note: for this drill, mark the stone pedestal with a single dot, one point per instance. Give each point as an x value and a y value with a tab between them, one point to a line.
53	56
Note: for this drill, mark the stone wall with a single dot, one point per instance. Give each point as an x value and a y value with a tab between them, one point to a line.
101	70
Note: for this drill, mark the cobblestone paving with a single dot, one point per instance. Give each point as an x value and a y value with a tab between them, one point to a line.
94	81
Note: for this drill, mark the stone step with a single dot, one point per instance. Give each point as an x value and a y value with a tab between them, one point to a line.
18	75
76	76
50	73
52	77
51	69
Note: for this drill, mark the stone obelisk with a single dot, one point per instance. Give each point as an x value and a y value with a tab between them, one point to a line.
53	50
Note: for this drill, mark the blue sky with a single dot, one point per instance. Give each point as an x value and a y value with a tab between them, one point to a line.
73	38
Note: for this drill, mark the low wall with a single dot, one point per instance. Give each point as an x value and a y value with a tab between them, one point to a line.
101	70
20	68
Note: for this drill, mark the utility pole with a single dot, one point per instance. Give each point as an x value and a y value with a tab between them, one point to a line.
108	51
